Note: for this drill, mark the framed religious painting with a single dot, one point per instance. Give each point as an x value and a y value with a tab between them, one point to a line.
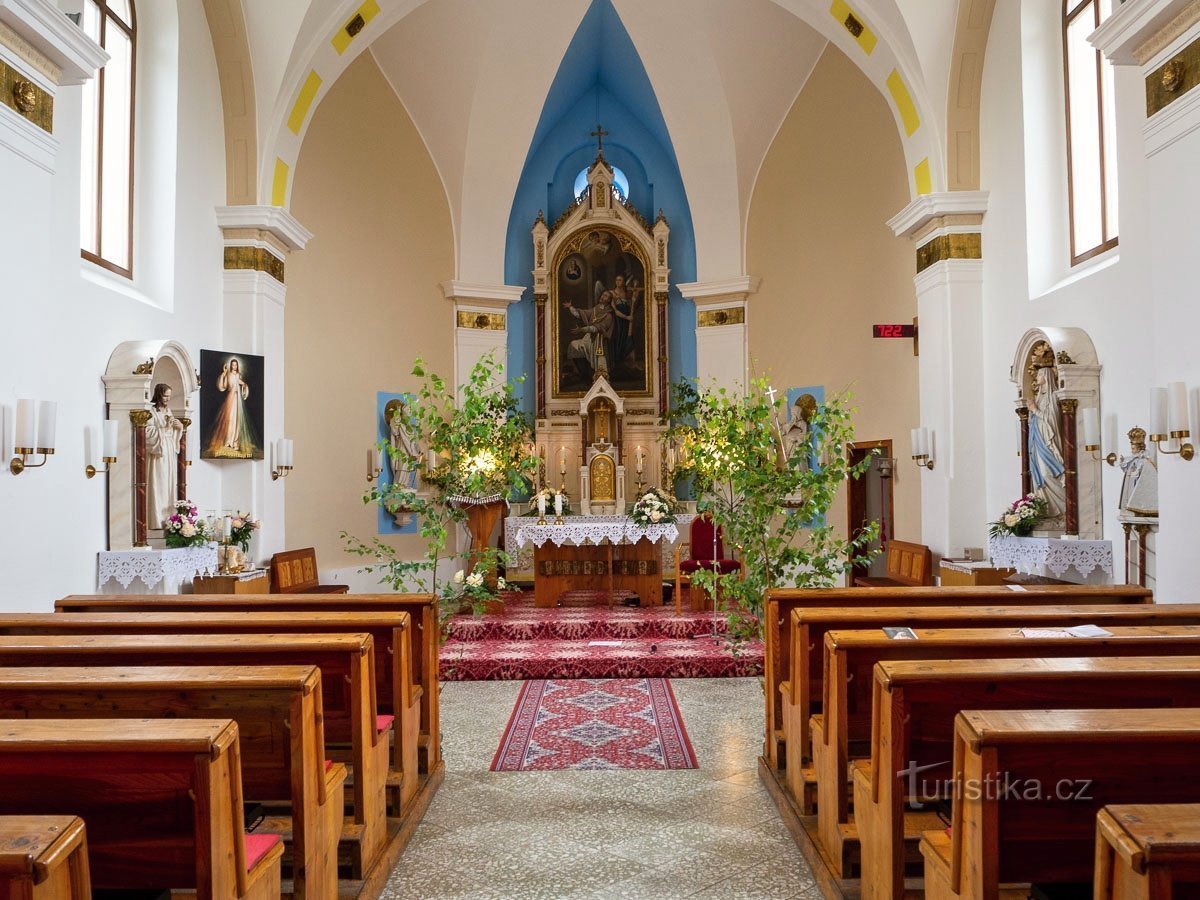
231	405
600	314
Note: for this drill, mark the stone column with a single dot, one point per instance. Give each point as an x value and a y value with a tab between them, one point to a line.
181	472
1026	475
138	418
722	335
1068	409
945	229
258	242
481	323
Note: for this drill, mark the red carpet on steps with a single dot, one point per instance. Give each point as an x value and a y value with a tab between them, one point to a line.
526	643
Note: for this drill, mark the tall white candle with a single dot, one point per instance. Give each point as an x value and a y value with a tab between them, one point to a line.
558	504
1112	431
25	434
1020	437
47	419
541	504
432	462
193	445
110	440
1178	403
288	447
1091	426
671	458
640	458
917	448
1158	411
562	460
226	527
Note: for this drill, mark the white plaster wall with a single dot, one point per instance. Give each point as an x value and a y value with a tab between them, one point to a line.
1115	299
59	328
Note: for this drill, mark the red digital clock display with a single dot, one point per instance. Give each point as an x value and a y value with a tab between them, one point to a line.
893	331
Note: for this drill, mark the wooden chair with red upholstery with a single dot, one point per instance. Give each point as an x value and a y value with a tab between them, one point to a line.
706	546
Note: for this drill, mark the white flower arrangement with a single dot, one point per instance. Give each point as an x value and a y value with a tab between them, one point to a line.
1021	518
653	508
184	528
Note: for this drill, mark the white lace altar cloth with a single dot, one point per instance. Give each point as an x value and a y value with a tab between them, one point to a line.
522	533
1080	562
147	570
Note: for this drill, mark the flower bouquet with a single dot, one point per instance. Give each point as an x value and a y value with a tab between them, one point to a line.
1021	518
241	529
473	590
184	528
653	508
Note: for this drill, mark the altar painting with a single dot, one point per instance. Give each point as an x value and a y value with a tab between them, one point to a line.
231	405
600	315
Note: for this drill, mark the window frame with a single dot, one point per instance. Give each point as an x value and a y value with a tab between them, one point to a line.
1071	10
107	14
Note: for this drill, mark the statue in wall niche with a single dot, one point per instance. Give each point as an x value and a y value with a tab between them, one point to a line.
1139	487
1045	451
404	445
795	433
163	434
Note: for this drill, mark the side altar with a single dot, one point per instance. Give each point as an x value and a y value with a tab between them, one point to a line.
605	554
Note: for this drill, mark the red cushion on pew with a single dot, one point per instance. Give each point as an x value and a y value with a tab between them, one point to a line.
383	723
257	846
328	764
723	565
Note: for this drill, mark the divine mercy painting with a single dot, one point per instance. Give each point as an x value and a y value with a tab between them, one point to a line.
600	319
231	405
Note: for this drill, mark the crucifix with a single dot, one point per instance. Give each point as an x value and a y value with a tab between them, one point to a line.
600	134
771	392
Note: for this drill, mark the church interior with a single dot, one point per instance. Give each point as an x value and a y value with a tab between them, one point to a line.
771	409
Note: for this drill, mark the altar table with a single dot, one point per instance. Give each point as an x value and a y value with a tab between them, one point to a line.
1078	562
146	570
606	554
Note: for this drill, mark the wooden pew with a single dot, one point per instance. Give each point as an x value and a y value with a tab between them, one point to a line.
44	858
425	636
780	604
800	695
908	565
914	706
348	702
278	711
396	695
1001	833
162	801
844	727
295	572
1148	852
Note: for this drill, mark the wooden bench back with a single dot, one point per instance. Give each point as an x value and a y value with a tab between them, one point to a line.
1146	850
1077	762
781	603
278	711
294	570
44	858
916	702
162	799
907	564
425	634
806	640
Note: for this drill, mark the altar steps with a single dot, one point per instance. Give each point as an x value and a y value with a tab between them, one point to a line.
525	643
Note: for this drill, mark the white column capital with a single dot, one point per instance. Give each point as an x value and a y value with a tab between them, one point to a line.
720	290
962	208
239	223
50	38
490	295
1135	32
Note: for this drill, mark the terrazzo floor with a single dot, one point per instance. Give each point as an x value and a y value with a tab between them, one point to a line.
710	832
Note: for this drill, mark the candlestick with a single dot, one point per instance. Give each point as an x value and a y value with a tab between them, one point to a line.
110	439
1091	428
639	456
1178	403
47	416
562	460
1158	414
25	435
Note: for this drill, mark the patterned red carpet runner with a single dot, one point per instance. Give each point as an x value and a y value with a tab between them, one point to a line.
591	642
627	723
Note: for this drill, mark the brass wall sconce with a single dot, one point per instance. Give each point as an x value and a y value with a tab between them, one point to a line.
283	459
36	420
921	445
192	446
109	453
374	464
1170	420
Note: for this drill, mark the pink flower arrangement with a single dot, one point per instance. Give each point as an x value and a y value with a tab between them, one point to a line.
1021	517
184	528
241	528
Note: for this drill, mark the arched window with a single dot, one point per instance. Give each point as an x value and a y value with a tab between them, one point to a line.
106	187
1091	132
619	179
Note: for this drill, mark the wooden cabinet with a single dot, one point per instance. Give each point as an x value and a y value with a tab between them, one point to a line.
964	574
257	581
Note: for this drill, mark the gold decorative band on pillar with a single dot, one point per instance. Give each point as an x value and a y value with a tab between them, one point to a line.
480	320
25	98
733	315
949	246
1173	79
257	259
